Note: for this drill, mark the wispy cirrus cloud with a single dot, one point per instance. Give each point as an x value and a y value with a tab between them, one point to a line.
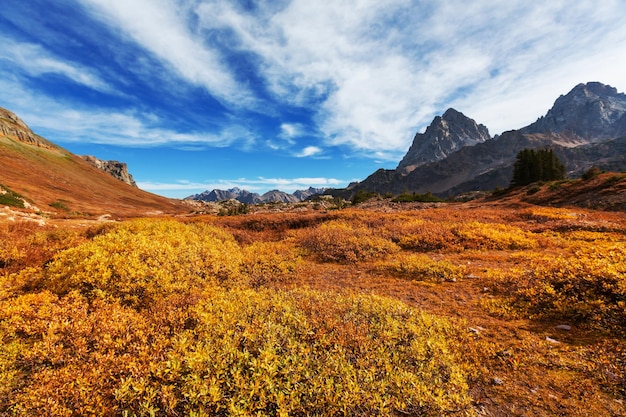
132	130
163	28
68	122
34	60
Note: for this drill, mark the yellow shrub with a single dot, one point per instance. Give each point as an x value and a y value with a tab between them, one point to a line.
141	261
490	236
592	236
548	213
246	352
306	353
339	241
422	268
63	357
588	286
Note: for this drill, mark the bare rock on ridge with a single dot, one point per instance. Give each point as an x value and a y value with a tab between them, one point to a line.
590	112
13	126
117	169
445	135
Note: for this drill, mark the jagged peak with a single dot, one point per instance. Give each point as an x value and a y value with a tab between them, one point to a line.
452	113
446	134
589	112
595	88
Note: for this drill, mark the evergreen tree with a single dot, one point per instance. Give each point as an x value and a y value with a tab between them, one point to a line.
536	165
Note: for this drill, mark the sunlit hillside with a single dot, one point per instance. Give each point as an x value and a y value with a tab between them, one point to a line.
421	310
49	180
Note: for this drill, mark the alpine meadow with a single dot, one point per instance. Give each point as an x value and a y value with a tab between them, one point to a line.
312	208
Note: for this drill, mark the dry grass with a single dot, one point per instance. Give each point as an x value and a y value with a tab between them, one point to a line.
62	184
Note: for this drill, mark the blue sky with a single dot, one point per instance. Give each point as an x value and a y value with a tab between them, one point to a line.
287	94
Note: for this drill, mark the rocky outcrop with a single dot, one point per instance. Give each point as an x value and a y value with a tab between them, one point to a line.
445	135
117	169
12	126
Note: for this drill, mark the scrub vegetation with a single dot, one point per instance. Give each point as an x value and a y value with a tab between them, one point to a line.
456	310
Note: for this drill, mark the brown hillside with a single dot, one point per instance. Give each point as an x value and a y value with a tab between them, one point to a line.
605	191
55	180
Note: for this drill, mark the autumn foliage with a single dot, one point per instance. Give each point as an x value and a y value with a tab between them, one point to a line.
345	313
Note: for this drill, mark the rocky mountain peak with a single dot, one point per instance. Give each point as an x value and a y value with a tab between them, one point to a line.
590	112
117	169
445	135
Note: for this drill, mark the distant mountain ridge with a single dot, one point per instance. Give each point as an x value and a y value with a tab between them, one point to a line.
585	128
243	196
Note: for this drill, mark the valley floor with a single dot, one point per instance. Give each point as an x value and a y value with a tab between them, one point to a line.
535	298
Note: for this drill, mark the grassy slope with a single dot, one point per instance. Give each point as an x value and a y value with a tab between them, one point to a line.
51	175
605	191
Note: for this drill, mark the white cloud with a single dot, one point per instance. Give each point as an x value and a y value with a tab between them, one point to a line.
65	122
309	151
289	131
161	27
35	61
133	130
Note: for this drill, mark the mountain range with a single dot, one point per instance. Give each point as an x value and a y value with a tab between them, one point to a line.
585	128
243	196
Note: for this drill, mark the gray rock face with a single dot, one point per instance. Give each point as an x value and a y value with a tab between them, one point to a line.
13	126
445	135
117	169
277	196
591	112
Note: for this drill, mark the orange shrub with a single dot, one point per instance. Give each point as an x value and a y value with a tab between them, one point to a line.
426	236
339	241
264	262
25	244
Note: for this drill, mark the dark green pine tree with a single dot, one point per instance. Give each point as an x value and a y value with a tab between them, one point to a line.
536	165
